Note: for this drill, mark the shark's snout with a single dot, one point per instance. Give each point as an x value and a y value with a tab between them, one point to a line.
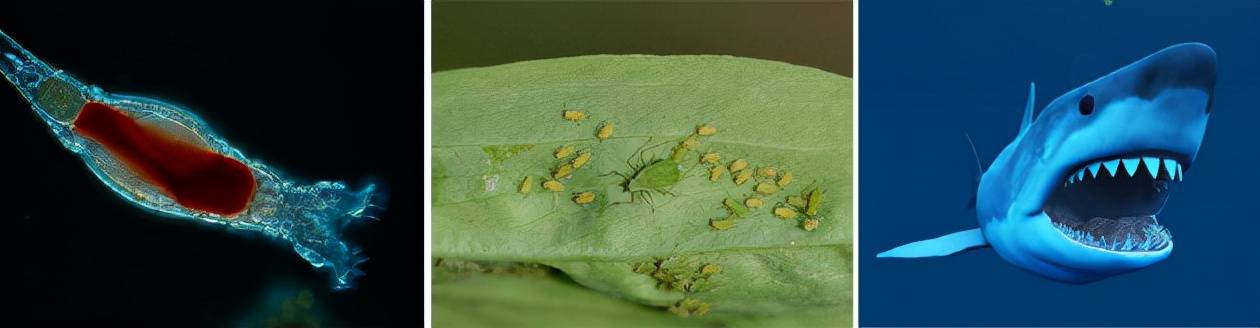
1183	66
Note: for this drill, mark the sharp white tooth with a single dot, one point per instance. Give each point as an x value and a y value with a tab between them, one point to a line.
1112	166
1080	175
1180	174
1093	169
1130	165
1171	167
1152	165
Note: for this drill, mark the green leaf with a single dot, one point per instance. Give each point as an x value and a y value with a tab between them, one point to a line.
495	126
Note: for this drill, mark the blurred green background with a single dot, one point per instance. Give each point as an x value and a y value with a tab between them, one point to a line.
475	34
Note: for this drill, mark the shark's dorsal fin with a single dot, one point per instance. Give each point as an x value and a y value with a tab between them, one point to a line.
1028	109
939	246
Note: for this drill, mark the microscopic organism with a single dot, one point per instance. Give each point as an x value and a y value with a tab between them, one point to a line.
581	159
706	130
785	213
564	151
527	185
715	173
605	131
553	185
164	158
722	224
784	179
574	116
766	188
742	177
754	202
711	158
738	164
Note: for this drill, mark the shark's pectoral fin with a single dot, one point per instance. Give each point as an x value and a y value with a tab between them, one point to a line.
940	246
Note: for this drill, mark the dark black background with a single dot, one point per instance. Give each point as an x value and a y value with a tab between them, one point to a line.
316	91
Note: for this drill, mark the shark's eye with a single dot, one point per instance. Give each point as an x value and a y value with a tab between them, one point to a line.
1087	105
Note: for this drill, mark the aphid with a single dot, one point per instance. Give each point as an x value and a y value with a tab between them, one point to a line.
715	173
815	199
785	213
585	197
706	130
710	269
768	171
722	224
659	176
796	201
711	158
553	185
564	151
581	159
735	207
785	179
810	224
742	176
574	116
690	142
738	164
605	131
527	185
563	171
678	153
753	202
766	188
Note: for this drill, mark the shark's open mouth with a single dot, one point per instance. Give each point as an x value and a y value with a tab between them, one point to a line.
1111	204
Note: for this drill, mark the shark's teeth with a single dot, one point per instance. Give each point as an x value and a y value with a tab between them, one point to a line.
1152	165
1128	167
1155	237
1112	166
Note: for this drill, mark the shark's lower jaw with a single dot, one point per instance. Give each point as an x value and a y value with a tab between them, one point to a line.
1111	204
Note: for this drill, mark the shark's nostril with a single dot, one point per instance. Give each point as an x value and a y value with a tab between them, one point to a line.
1087	105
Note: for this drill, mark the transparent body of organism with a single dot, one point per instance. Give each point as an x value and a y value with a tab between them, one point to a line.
162	157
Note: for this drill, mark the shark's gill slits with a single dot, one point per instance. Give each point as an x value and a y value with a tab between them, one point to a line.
1111	204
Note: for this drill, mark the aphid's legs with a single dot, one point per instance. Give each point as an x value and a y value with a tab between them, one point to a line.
638	151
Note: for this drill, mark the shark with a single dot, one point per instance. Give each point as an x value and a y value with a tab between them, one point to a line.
1076	195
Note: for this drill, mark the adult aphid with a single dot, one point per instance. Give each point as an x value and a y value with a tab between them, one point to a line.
742	177
815	200
564	151
563	171
711	158
810	224
553	185
735	207
581	159
605	131
706	130
527	185
785	212
584	197
650	176
574	116
715	173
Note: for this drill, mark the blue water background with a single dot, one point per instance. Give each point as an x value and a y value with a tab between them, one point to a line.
931	71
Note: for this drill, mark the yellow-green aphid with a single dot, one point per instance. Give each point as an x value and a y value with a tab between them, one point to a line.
574	116
706	130
710	268
796	201
564	151
715	173
815	200
678	154
735	207
722	224
753	202
581	159
742	177
553	185
689	307
785	179
584	197
768	171
766	188
605	131
711	158
738	164
527	185
810	224
785	212
690	142
563	171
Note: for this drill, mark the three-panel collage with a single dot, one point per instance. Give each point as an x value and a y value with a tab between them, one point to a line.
631	163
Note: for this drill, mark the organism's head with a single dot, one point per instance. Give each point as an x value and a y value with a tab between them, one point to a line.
1096	167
